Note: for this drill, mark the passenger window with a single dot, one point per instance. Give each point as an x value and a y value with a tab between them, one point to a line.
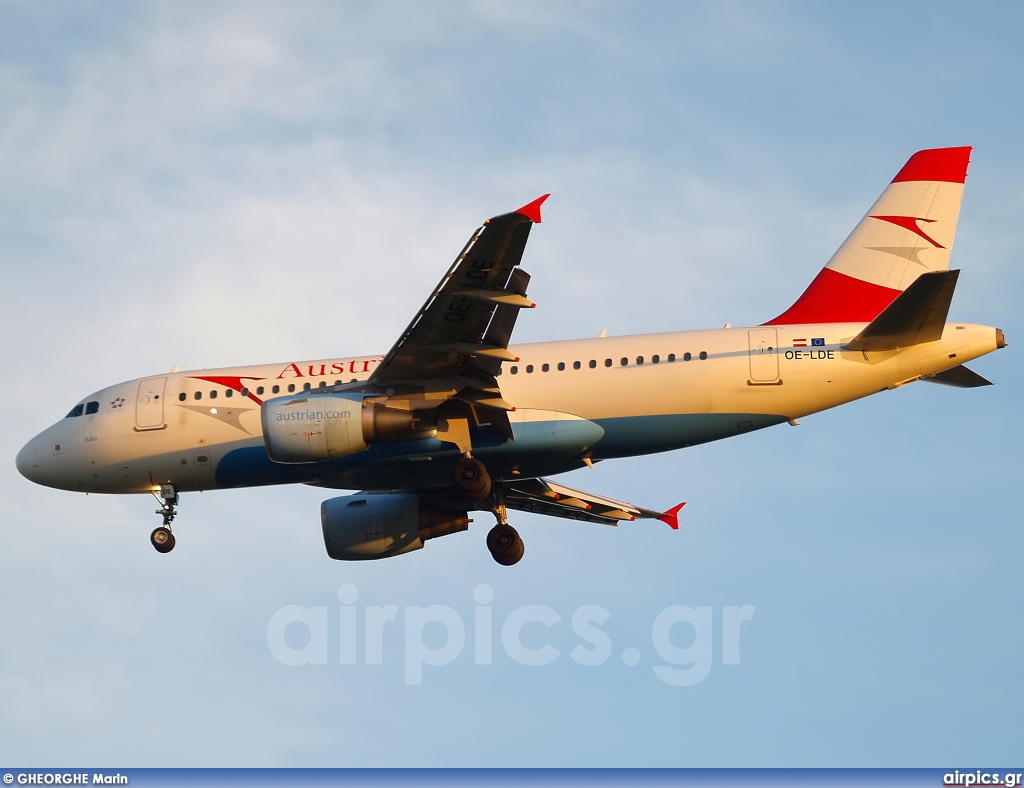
181	397
593	364
276	389
671	357
213	394
687	356
229	392
306	387
624	361
703	355
198	395
259	391
545	367
244	392
561	366
514	370
655	358
639	359
91	407
291	387
576	365
607	362
529	368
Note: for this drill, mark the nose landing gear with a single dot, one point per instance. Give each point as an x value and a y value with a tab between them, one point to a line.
162	539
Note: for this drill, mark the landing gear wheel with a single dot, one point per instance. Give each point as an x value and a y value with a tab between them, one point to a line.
162	539
472	479
505	544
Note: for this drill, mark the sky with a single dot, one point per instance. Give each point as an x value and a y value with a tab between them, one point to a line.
230	183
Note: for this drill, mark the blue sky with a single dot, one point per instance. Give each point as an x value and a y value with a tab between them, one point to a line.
227	183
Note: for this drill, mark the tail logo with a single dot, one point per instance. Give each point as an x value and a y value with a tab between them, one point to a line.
911	223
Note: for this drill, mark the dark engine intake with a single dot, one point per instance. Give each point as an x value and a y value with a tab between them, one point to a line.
318	427
361	527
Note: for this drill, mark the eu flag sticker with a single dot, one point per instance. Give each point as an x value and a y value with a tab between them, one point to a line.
818	342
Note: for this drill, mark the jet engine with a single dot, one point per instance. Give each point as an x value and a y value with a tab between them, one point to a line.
361	527
318	427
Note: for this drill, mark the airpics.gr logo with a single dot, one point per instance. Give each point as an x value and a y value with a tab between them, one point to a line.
680	646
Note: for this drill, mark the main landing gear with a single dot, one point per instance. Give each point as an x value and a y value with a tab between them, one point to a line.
505	544
162	538
474	482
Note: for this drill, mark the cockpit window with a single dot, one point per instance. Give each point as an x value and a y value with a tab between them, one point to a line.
83	407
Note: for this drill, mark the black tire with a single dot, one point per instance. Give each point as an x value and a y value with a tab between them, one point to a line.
472	479
162	539
505	544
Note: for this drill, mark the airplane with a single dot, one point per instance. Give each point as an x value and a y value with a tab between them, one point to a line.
453	419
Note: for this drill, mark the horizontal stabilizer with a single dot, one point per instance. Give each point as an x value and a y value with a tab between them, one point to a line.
961	377
917	315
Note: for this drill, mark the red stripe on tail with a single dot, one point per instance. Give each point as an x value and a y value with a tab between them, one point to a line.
837	298
937	164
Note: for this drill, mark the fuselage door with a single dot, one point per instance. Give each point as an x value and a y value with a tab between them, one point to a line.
764	360
149	406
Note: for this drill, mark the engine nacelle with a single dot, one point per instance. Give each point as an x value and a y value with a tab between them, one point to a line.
361	527
315	427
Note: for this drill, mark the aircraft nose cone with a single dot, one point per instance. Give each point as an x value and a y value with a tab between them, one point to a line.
28	461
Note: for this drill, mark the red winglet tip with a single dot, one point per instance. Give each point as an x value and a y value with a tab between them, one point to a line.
671	517
532	209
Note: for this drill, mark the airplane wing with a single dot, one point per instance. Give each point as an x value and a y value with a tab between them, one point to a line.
543	496
454	346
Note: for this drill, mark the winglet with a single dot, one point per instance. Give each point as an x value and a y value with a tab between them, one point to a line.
671	517
532	209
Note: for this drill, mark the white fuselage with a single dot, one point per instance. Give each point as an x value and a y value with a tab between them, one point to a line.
201	430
